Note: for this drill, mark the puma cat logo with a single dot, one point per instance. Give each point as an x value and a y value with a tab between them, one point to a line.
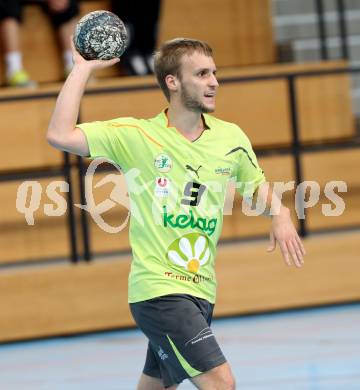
190	168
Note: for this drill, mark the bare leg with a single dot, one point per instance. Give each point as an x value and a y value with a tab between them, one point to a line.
219	378
148	383
64	33
10	35
11	43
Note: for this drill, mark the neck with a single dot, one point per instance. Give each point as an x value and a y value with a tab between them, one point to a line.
188	123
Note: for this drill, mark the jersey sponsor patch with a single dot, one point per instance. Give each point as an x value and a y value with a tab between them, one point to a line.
162	187
184	221
190	251
223	171
163	163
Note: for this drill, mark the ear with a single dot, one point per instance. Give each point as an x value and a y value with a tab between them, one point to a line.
172	83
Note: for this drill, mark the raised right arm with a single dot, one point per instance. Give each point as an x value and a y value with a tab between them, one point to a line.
62	131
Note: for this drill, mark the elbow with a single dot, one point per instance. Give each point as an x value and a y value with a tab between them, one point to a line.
56	142
55	139
51	138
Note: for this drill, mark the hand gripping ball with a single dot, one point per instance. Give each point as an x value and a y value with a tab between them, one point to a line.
100	35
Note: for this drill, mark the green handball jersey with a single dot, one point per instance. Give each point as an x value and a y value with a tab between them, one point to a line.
177	192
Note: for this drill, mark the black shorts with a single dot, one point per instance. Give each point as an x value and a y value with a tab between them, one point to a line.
181	343
13	9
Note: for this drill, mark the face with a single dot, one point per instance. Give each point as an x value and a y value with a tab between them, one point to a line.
198	83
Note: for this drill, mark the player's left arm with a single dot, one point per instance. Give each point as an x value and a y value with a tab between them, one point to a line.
282	230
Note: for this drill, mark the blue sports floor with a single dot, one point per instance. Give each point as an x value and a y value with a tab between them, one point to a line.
317	349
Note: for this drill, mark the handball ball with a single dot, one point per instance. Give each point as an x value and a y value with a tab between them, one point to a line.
100	35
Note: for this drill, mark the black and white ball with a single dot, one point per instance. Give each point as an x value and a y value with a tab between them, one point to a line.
100	35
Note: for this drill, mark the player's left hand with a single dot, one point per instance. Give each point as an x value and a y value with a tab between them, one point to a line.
284	233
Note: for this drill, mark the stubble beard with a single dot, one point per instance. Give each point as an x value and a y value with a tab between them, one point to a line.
193	104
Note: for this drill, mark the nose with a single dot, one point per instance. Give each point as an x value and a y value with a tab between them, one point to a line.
213	81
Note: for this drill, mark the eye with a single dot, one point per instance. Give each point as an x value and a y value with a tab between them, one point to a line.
202	73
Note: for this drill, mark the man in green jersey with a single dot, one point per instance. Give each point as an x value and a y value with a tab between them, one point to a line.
181	160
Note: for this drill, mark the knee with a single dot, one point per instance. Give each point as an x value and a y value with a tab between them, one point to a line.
228	383
219	378
225	380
